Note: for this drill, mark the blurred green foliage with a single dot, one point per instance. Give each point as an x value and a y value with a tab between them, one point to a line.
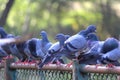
66	16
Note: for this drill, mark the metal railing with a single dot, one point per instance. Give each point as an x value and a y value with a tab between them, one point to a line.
11	71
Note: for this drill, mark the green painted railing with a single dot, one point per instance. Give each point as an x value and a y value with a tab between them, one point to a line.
11	71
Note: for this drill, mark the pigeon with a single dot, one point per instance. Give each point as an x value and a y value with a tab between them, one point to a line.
55	48
88	57
94	46
37	48
30	49
43	45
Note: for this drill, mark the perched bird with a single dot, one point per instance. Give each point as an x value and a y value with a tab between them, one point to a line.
43	45
89	57
54	49
37	48
30	49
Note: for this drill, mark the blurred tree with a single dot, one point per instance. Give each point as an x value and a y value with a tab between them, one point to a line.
6	12
110	19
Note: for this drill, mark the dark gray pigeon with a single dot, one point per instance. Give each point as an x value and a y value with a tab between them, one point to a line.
30	49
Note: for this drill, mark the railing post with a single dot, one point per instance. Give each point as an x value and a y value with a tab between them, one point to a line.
10	74
77	74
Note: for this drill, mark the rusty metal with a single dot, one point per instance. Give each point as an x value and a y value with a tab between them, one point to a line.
46	67
86	68
101	69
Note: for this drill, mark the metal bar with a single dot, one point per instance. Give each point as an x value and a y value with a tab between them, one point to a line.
101	69
83	68
46	67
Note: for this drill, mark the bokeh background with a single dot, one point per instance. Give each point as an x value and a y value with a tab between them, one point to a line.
65	16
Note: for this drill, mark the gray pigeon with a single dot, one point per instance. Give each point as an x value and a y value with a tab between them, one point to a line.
55	48
43	45
37	48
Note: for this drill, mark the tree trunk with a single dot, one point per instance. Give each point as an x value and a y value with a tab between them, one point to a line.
5	13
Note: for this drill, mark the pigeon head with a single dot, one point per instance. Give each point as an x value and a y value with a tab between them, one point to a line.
61	38
92	37
91	28
43	33
109	44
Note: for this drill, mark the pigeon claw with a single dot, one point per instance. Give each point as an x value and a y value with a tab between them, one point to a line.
110	65
69	64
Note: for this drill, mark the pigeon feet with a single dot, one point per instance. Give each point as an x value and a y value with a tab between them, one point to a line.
69	64
110	65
